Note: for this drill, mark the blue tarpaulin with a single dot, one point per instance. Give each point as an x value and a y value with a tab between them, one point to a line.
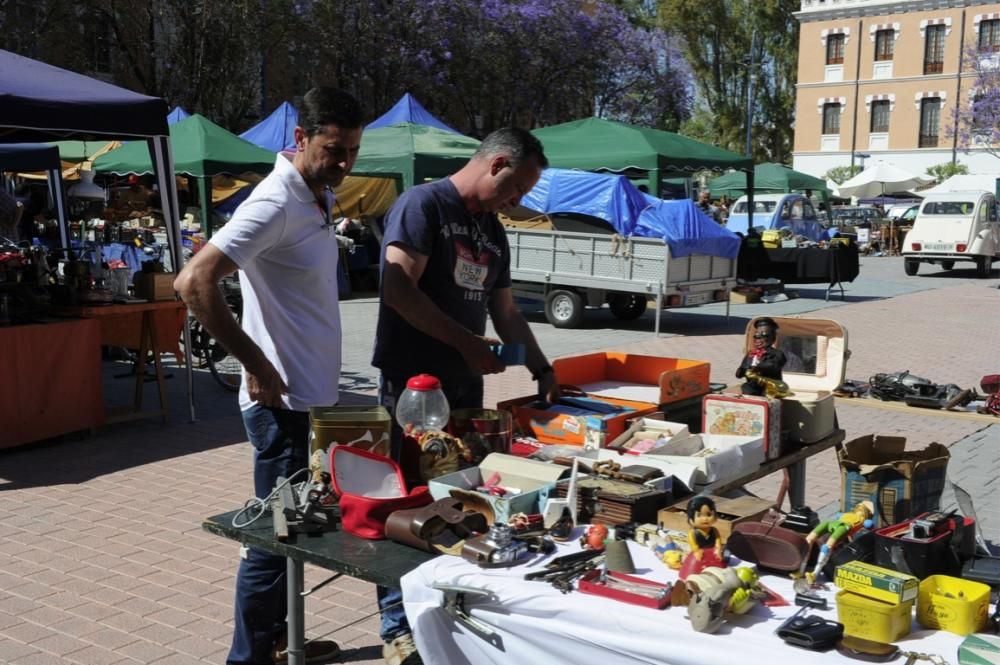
613	198
408	109
177	115
276	132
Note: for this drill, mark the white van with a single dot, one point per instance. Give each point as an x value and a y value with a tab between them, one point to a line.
954	226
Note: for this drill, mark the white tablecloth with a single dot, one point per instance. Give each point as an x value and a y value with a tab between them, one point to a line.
539	625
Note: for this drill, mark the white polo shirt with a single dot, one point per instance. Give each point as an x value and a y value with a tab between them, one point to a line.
288	276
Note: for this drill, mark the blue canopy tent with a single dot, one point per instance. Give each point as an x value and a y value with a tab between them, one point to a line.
408	109
177	115
613	198
39	157
39	102
276	132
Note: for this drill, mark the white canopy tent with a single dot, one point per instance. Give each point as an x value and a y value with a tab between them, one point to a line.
882	178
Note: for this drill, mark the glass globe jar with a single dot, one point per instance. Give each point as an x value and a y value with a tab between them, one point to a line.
422	406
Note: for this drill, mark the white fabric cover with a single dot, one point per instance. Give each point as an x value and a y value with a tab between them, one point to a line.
539	625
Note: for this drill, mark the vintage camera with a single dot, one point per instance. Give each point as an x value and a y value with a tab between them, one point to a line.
495	548
927	526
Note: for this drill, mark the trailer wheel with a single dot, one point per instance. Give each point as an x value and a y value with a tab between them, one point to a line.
911	266
984	265
947	265
563	308
627	306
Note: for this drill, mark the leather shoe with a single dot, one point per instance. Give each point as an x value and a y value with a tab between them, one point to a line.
316	651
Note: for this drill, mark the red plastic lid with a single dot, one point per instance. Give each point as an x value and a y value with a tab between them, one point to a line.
423	383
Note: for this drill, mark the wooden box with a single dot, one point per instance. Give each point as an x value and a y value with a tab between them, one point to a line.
730	512
154	285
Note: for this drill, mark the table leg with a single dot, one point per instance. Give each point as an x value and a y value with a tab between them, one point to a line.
296	612
158	367
797	484
140	362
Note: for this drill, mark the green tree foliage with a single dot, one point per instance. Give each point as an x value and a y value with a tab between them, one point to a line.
945	170
841	174
717	38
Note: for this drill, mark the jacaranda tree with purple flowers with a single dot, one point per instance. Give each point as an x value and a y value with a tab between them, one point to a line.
977	114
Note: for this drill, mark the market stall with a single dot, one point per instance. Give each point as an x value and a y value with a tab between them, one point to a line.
42	102
832	265
412	153
40	157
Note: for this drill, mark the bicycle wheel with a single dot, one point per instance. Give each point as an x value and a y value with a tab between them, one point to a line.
225	368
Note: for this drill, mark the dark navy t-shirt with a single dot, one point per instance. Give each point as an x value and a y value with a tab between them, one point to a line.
468	259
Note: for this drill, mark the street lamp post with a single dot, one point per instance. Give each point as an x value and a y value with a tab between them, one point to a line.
750	74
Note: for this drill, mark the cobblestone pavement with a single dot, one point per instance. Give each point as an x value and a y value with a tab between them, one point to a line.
103	560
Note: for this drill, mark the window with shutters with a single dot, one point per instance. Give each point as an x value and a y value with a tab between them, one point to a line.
831	118
934	49
835	49
989	35
885	40
930	119
880	116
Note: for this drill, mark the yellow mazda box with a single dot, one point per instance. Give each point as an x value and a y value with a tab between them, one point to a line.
876	582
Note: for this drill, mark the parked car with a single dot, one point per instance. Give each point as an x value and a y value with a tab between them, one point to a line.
954	226
776	211
856	216
895	212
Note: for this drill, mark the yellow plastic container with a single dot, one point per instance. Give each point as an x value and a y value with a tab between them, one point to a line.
872	619
362	426
956	605
771	238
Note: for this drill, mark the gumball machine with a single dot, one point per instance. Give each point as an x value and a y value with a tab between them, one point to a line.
422	407
423	412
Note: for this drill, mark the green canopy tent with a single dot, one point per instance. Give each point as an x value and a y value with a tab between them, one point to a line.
412	153
201	149
768	178
595	144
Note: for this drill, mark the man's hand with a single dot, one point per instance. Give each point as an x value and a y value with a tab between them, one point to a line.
480	357
265	386
548	387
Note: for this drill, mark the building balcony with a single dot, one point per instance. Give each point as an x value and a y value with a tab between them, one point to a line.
927	141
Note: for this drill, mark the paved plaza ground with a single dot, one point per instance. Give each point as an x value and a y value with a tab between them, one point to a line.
103	560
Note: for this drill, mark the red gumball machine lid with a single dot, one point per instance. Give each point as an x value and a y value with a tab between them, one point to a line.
423	383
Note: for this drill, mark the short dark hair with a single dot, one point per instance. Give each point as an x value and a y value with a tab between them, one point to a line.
516	143
329	106
766	322
696	504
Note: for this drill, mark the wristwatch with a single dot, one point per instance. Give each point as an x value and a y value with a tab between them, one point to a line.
542	371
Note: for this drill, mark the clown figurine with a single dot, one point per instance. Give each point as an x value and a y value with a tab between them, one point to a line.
762	365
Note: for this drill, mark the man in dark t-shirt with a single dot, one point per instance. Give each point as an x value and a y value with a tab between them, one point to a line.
445	266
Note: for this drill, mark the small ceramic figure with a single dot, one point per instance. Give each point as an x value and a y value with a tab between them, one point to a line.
763	363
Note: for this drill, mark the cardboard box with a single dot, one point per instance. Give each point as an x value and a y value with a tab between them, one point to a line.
900	484
653	379
154	285
535	479
730	512
701	459
744	415
871	581
817	352
744	297
646	429
590	430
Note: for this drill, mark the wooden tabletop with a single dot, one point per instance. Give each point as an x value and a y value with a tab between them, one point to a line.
92	311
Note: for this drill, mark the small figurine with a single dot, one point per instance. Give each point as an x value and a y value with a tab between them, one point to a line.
440	453
709	595
762	365
845	524
704	539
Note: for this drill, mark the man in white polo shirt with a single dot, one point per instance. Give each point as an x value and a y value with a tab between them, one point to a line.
281	241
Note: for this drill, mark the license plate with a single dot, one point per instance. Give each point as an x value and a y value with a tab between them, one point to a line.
696	298
939	246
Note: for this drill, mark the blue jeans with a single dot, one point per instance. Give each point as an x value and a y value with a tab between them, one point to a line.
468	395
281	447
